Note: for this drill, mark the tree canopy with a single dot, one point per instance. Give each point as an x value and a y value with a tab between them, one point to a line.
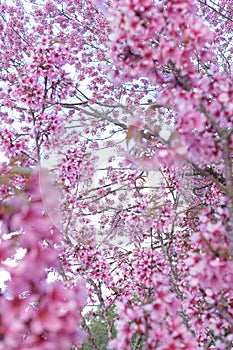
116	174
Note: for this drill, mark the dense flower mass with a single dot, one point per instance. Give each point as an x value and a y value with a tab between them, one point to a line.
116	182
35	313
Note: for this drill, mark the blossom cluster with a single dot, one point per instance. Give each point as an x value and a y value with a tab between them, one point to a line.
35	313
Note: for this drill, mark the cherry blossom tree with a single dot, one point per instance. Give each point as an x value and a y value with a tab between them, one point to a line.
116	174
